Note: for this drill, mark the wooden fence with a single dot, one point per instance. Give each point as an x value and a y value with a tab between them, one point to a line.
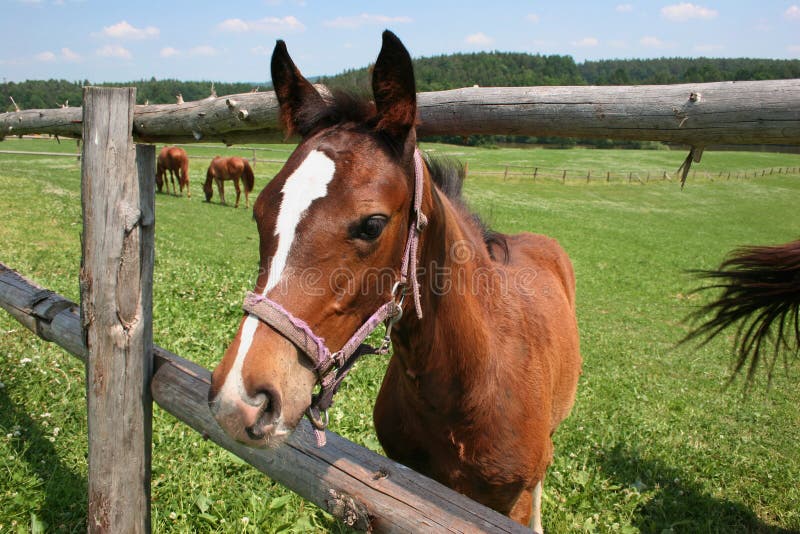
113	333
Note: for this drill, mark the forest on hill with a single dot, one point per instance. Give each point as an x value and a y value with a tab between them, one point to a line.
503	69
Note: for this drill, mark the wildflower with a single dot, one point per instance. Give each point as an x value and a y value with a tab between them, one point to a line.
25	360
173	516
245	520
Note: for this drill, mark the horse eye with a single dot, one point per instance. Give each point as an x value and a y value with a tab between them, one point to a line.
371	227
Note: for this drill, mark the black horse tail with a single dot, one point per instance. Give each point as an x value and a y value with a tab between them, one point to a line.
761	294
247	177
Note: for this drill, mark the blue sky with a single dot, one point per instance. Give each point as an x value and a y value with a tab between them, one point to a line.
111	41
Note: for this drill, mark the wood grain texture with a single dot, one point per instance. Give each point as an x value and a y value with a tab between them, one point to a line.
116	309
702	114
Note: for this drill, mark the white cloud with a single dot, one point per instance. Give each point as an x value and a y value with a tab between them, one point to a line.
114	51
365	19
168	51
686	11
69	55
479	39
265	25
793	13
49	57
533	17
794	49
586	42
123	30
623	8
652	42
45	56
261	51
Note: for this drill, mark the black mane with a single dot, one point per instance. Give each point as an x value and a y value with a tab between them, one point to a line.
449	174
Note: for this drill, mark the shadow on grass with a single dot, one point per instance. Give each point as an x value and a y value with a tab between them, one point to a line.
64	506
678	505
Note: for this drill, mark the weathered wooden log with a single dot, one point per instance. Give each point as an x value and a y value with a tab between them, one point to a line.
764	112
703	114
116	280
361	488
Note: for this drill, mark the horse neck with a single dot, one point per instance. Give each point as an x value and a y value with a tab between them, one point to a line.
451	338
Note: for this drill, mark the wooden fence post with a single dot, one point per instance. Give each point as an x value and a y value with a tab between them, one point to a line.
116	310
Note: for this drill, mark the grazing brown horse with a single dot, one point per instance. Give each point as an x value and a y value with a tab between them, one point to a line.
358	228
761	298
174	160
232	168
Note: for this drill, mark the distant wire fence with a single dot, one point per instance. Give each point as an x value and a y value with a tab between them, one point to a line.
277	157
550	174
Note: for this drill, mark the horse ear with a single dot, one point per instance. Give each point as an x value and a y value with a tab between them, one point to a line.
300	103
394	90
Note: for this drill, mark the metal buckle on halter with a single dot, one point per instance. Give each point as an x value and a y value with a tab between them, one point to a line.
422	222
319	422
399	292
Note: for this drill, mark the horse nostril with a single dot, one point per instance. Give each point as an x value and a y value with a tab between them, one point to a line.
269	411
270	406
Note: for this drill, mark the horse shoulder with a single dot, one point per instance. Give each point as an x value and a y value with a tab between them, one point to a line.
546	256
549	295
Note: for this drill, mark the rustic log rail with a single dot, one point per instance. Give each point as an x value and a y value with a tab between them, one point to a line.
363	489
703	114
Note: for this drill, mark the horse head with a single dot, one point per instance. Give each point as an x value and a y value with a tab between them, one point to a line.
333	227
208	185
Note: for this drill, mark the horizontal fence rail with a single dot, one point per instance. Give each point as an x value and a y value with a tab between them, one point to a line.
361	488
702	114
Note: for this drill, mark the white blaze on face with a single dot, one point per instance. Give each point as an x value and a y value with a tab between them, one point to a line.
306	184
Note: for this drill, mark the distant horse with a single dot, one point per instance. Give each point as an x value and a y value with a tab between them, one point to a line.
761	295
232	168
174	160
477	385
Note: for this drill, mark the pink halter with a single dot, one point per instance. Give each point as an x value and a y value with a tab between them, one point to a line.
331	368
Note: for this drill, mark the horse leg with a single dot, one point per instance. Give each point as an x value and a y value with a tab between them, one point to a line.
522	509
172	180
536	509
221	190
238	191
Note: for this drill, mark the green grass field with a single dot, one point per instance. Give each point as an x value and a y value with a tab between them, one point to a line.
655	443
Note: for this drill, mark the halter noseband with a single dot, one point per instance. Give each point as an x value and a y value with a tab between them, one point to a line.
331	368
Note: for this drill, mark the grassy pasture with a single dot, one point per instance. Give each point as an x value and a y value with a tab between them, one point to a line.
655	442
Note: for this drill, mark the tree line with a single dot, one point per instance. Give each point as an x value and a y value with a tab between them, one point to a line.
43	94
438	73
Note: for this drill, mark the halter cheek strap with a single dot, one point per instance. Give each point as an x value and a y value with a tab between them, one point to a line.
331	368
